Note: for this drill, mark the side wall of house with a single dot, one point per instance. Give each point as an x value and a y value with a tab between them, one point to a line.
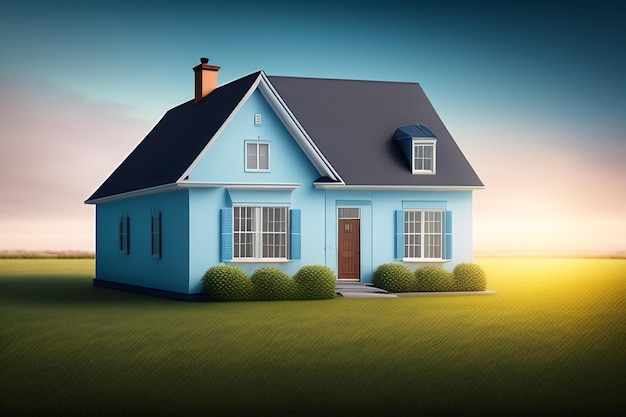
139	267
378	238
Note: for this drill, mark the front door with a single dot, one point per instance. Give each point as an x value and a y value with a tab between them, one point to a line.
349	249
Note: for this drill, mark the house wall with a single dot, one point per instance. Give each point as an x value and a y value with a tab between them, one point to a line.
139	268
378	227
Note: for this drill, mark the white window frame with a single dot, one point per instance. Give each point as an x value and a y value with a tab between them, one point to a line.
423	143
256	164
414	240
260	238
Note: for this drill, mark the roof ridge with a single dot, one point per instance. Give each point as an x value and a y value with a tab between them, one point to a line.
343	79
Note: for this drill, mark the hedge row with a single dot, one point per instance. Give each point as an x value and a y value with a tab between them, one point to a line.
396	277
231	283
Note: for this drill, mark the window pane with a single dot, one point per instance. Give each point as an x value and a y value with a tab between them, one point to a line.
251	156
264	160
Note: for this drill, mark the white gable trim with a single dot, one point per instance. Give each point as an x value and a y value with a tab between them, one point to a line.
292	125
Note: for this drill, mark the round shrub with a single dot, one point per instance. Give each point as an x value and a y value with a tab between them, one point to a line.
434	278
315	282
227	283
469	277
271	283
394	277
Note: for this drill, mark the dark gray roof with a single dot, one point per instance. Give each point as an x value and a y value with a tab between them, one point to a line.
175	142
353	123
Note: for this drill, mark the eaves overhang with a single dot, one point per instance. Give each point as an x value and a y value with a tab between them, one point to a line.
238	185
344	187
194	184
135	193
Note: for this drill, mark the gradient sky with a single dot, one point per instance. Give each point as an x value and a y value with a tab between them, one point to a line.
534	94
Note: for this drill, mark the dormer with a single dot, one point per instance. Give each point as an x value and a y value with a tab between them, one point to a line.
419	146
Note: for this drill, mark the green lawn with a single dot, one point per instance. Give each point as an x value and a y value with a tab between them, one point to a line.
552	340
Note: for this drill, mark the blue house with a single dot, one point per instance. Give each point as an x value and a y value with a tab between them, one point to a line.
285	172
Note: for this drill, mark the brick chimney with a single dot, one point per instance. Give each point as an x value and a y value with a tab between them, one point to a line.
206	79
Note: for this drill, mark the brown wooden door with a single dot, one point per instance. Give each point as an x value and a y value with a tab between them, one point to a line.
349	249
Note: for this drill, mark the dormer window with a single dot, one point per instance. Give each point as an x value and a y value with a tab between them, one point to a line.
424	152
419	146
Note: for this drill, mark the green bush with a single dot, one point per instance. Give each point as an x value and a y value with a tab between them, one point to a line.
271	283
434	278
227	283
469	277
315	282
394	277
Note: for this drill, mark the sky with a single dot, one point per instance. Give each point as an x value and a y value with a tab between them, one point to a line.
534	94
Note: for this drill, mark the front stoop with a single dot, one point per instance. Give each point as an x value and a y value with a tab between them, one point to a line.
360	290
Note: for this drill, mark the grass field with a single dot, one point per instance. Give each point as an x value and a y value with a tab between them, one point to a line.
551	341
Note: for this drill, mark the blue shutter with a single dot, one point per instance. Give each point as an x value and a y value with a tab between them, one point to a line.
122	223
226	234
295	234
448	235
124	234
399	234
156	233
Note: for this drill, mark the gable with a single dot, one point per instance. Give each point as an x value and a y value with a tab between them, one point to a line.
353	124
255	122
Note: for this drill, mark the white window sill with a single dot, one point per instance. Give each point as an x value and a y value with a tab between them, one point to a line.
423	173
260	260
425	260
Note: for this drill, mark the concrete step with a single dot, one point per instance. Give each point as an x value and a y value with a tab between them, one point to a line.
360	290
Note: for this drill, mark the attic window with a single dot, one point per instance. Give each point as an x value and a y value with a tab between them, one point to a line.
257	156
424	156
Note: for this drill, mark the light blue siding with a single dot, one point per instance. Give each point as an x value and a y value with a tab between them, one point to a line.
139	268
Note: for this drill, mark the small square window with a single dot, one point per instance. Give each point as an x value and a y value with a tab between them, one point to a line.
257	156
